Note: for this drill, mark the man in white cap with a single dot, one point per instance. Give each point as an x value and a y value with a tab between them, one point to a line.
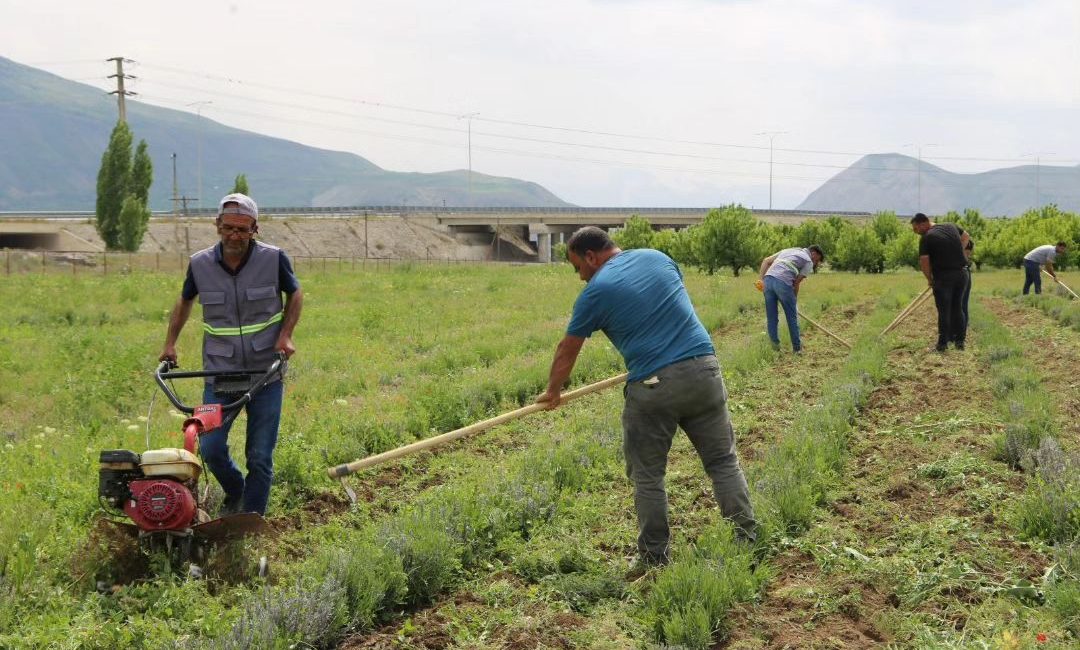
239	282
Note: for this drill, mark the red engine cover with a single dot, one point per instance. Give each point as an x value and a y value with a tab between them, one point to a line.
161	505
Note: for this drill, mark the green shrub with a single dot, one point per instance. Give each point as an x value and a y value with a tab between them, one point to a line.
430	557
583	590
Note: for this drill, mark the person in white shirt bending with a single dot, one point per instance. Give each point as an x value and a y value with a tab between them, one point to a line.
1043	255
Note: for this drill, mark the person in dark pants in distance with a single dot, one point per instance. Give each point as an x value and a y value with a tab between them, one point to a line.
637	298
942	261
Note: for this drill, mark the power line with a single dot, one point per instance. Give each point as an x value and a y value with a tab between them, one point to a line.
551	156
652	152
535	125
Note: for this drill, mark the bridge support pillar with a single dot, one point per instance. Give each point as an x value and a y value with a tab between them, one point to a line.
543	247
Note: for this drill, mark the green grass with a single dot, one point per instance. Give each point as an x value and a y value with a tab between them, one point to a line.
532	520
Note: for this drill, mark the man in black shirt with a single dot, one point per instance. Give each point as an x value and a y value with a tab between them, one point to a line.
969	250
942	260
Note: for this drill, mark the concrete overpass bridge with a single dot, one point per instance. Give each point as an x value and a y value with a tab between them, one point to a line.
528	232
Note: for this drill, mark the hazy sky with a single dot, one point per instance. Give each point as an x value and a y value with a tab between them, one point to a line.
557	86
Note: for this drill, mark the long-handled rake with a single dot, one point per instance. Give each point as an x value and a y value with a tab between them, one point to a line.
822	328
907	311
1063	285
341	471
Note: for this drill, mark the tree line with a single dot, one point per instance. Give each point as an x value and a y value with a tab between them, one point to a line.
731	237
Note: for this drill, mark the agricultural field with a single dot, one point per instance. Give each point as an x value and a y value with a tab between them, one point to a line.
907	498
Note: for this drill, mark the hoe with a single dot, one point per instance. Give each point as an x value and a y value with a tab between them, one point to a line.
154	495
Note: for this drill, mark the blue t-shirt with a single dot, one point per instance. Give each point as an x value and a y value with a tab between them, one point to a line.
638	300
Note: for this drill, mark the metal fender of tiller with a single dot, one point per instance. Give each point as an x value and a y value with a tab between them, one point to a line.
231	527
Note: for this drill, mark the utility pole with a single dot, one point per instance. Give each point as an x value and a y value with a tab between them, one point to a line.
918	171
198	146
120	92
771	135
469	118
175	188
1037	155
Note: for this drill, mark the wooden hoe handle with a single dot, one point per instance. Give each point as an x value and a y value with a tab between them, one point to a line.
340	471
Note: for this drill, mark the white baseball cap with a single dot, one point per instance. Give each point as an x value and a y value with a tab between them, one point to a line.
245	206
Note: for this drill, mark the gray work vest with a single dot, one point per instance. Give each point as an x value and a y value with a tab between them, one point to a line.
242	313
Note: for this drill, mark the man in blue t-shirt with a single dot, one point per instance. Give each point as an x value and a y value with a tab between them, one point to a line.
637	298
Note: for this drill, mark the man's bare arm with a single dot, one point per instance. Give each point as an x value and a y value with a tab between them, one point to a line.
180	313
924	266
294	304
566	355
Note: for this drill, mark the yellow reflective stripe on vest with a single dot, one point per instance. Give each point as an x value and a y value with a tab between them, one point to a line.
243	329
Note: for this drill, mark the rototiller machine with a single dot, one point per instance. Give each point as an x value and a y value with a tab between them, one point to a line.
156	492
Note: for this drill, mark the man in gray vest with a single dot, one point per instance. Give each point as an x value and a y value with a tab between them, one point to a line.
239	283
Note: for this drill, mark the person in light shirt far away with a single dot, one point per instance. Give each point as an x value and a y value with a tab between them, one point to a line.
779	279
1038	257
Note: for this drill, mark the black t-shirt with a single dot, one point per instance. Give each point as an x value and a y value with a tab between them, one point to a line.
942	244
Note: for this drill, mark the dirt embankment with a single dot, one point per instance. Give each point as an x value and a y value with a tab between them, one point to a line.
371	237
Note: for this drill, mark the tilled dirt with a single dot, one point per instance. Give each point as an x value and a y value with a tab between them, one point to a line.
888	497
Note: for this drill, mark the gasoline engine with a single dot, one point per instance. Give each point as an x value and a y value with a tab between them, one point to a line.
154	495
156	490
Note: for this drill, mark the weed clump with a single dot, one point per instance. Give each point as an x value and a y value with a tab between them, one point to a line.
1048	509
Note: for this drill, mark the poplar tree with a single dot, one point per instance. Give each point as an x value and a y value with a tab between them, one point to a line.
113	183
122	223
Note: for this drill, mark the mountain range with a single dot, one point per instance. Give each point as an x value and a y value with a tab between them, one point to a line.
905	185
53	132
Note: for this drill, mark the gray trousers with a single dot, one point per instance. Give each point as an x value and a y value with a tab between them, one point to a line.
689	394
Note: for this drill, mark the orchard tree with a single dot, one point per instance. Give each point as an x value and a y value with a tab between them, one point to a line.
886	226
903	250
637	232
820	232
730	236
676	244
858	249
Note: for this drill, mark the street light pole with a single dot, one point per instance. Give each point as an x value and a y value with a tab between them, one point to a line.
198	144
771	135
175	193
